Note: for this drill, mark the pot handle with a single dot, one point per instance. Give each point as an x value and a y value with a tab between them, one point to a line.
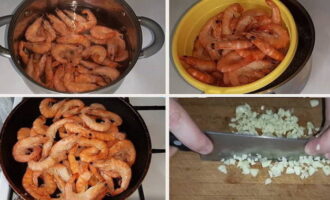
4	21
158	37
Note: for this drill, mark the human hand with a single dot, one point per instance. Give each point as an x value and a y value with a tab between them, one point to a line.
184	128
321	145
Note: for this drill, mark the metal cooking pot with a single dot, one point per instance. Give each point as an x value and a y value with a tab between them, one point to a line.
113	13
28	110
294	79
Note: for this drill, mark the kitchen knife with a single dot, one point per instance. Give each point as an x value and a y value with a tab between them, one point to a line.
228	144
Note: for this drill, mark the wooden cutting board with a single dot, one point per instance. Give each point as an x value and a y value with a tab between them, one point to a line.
192	178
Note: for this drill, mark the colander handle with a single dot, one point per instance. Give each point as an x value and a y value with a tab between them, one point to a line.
158	37
4	21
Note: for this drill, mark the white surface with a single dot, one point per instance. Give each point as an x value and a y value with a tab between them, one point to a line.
154	182
147	77
319	80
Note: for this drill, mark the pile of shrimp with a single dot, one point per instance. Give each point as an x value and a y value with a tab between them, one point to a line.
238	47
69	52
75	149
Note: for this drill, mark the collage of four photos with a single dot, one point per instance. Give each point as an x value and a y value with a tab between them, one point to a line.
164	99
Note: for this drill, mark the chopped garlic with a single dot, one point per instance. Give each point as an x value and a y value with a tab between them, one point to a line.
268	181
280	124
254	172
314	103
304	167
222	169
326	170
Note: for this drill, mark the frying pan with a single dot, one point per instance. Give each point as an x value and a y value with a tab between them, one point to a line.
28	110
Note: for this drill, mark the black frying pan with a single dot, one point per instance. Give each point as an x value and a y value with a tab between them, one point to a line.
28	110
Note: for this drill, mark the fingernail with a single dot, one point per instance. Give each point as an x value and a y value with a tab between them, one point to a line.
308	150
327	155
208	148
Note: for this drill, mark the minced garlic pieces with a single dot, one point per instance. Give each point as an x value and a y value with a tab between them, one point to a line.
279	124
305	167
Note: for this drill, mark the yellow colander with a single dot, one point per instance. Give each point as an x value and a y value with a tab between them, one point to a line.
190	25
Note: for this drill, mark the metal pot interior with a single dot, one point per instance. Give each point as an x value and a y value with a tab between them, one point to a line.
112	13
24	114
305	48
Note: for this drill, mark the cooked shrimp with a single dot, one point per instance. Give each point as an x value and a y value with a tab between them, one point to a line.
97	106
28	149
202	65
72	86
199	51
96	41
71	24
123	150
51	133
39	125
30	67
39	68
32	34
94	125
49	73
76	128
66	53
48	107
58	25
116	119
23	133
276	35
74	39
115	45
266	48
48	185
121	56
39	48
255	54
67	107
201	76
107	62
74	16
61	171
31	188
233	61
82	181
87	156
229	13
111	73
90	22
232	44
119	167
96	52
243	23
276	13
88	78
22	53
58	79
206	39
50	32
89	65
102	32
90	194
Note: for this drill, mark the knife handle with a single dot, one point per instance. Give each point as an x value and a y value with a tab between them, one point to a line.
175	142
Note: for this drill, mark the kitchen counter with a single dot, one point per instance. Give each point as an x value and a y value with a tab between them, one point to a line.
320	58
139	80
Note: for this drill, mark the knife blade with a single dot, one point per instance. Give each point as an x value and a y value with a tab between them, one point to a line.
228	144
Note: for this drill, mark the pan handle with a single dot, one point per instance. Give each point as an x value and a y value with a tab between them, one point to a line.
4	21
175	142
158	37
